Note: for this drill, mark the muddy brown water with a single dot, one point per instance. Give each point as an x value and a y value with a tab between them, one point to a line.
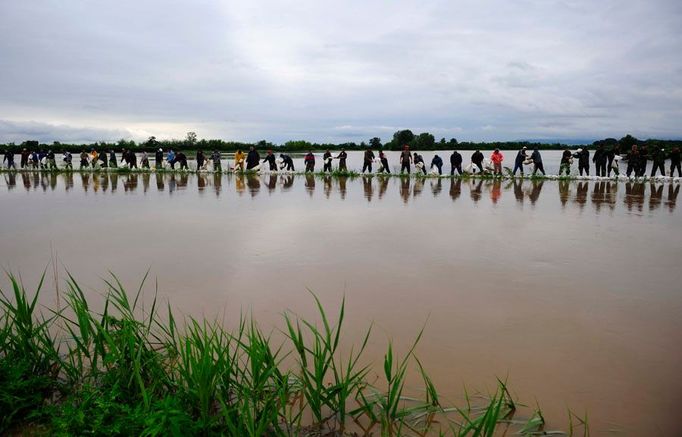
570	290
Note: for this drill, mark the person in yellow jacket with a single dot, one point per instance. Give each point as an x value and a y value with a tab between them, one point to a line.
93	158
239	160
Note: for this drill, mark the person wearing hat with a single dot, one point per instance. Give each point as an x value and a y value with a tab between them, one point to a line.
583	156
309	161
437	162
327	161
9	157
518	162
537	161
200	159
272	162
170	157
477	159
566	160
252	159
342	160
419	162
369	158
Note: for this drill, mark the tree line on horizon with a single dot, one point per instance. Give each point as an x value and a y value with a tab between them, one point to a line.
422	141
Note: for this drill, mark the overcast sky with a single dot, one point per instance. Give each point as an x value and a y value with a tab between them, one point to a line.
77	71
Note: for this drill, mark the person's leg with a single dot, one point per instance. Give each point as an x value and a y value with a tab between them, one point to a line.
480	167
679	170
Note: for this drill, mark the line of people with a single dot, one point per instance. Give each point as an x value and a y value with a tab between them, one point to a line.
604	161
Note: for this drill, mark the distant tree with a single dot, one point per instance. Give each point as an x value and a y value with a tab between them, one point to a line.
403	137
375	143
424	141
191	139
151	142
453	142
628	141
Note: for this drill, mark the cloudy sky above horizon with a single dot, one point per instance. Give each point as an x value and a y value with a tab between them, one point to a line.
82	71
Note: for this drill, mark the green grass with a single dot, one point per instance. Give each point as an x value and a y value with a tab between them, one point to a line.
130	369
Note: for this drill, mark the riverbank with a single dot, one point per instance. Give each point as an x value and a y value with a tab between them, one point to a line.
126	370
507	175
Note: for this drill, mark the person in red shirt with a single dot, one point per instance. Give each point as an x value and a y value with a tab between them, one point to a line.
497	159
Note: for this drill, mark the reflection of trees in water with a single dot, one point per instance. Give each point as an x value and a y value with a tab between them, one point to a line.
600	193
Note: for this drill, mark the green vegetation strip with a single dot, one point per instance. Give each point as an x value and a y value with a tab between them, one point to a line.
127	371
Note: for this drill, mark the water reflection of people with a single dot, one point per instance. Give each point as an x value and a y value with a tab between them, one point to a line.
367	186
418	187
342	186
202	181
10	180
518	189
536	188
455	188
673	191
656	196
496	190
114	182
272	183
253	182
217	183
581	194
564	191
327	181
475	190
85	181
634	195
26	180
287	182
405	188
130	183
598	194
239	183
383	186
310	183
436	186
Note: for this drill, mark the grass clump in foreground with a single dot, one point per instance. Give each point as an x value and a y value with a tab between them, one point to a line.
126	371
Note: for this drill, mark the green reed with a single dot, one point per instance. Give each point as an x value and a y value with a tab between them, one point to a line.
128	368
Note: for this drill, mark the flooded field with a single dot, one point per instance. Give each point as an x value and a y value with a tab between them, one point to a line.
571	290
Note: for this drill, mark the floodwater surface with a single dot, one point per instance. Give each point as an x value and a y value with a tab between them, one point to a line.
570	290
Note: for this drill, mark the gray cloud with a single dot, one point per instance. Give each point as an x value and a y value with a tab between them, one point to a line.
476	70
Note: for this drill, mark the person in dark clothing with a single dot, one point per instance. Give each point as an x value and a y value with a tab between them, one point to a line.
600	158
131	159
84	159
658	156
633	161
455	163
405	159
181	158
145	160
67	160
342	160
24	158
201	159
270	159
537	161
105	159
327	161
9	157
51	164
252	159
287	162
419	162
112	159
643	156
215	157
437	161
384	162
369	158
158	159
583	156
675	162
565	166
518	161
309	161
477	160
